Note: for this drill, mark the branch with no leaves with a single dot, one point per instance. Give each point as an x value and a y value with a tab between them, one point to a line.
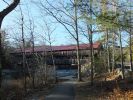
9	8
57	19
6	2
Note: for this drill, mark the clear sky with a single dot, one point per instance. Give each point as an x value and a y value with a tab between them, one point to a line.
59	37
10	22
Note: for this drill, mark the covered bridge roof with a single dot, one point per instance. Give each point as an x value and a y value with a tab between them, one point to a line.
59	48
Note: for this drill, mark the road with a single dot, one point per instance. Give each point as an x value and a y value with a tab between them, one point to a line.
62	91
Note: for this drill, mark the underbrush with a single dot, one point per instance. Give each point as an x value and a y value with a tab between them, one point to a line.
14	89
105	90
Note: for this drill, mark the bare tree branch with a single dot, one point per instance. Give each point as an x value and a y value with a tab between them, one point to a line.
8	9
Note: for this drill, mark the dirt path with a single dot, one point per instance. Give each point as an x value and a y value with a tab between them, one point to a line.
62	92
39	94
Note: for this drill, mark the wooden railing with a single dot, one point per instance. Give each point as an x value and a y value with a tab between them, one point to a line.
66	61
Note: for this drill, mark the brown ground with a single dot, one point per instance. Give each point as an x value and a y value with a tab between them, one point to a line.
13	90
101	90
38	94
109	90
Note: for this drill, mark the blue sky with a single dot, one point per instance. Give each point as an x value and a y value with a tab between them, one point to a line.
59	37
59	34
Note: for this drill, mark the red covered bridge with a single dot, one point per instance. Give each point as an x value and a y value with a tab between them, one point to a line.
64	55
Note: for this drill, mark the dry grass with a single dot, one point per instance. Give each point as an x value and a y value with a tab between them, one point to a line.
38	94
110	90
14	90
11	89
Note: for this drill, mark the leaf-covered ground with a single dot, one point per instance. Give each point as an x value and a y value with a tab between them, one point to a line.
109	90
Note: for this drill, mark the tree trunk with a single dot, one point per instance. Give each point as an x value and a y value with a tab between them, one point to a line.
92	57
53	61
121	53
77	40
108	52
0	60
78	62
130	36
23	50
33	47
45	65
113	53
114	2
1	19
91	44
3	13
131	51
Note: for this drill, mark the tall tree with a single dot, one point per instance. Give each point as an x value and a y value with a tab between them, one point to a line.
77	37
104	12
23	48
90	35
67	16
48	40
3	14
113	37
121	53
130	37
31	28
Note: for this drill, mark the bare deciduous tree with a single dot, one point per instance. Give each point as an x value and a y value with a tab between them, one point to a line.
61	15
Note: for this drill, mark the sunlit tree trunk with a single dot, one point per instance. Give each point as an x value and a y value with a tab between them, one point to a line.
77	39
91	45
130	47
104	11
113	36
130	40
121	53
53	61
91	55
108	52
113	52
